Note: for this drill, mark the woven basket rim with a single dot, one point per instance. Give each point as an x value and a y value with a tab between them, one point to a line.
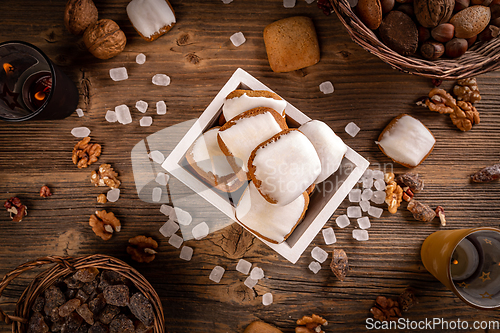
481	58
62	266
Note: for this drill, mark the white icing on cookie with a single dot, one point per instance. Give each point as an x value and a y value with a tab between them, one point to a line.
208	156
149	16
234	106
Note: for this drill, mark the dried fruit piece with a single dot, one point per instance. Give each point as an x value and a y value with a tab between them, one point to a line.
420	211
86	274
86	314
37	324
85	153
407	299
121	324
385	309
142	248
339	264
105	176
117	295
16	209
104	224
142	309
487	174
109	312
67	308
412	181
310	324
45	191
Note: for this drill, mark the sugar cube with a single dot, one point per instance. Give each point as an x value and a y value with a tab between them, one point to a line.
175	241
329	236
288	3
243	266
111	116
237	39
364	222
375	211
79	112
326	87
367	194
342	221
319	254
182	216
367	183
250	283
141	106
156	195
146	121
161	107
379	184
355	195
118	74
226	1
216	274
267	299
113	195
200	231
167	210
161	80
378	174
169	228
162	178
315	266
354	212
80	132
360	235
123	114
140	58
378	197
257	273
367	174
364	205
352	129
157	156
186	253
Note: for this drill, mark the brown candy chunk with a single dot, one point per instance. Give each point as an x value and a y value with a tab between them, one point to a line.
142	309
117	295
98	328
412	181
72	323
141	328
108	314
54	297
121	324
86	314
97	304
67	308
37	324
90	287
399	32
38	304
339	264
420	211
86	274
487	174
72	283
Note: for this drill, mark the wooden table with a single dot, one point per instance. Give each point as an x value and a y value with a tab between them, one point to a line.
199	57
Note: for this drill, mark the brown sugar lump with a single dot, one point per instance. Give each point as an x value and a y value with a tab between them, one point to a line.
330	148
239	136
271	222
284	166
210	163
241	100
151	18
291	44
406	141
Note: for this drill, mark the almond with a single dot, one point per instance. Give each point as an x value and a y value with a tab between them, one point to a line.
471	21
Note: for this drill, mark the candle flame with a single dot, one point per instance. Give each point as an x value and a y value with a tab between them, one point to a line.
40	95
8	68
455	262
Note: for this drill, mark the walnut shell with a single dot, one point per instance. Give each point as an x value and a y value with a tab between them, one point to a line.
105	39
431	13
79	15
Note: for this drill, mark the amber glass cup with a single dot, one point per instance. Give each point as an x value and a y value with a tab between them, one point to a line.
466	261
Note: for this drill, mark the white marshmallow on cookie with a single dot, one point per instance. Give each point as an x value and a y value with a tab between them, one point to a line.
330	148
240	101
284	166
272	222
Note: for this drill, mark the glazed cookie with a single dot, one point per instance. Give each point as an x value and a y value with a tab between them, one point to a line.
239	136
151	18
284	166
271	222
241	100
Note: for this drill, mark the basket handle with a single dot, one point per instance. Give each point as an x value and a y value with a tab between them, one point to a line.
63	261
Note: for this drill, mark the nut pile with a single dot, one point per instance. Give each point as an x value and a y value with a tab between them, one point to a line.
386	309
94	302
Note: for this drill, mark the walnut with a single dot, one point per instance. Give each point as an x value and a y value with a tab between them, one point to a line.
431	13
104	224
465	116
393	195
310	324
16	209
85	153
79	15
104	39
385	309
142	248
407	299
101	198
105	176
45	191
440	101
466	90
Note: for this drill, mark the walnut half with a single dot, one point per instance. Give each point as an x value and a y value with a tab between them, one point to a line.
142	248
310	324
105	176
85	153
104	224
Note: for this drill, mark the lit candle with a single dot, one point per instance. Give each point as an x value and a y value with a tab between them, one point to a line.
464	260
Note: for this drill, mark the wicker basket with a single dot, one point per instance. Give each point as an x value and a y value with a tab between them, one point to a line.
65	266
481	58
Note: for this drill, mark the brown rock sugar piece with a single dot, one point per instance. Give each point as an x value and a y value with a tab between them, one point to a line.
108	314
54	297
86	314
37	324
86	274
117	295
291	44
339	264
121	324
142	309
399	32
67	308
72	323
98	328
97	304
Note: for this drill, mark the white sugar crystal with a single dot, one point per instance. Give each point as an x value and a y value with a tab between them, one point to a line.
169	228
250	283
161	80
80	132
379	184
319	254
329	236
354	211
175	241
243	266
123	114
113	195
162	178
367	194
309	1
118	74
146	121
367	174
353	3
367	183
200	231
355	195
315	266
288	3
364	222
186	253
267	299
378	197
156	195
342	221
111	116
378	174
326	87
157	156
182	216
167	210
257	273
79	112
237	39
352	129
226	1
161	107
364	205
375	212
216	274
360	235
141	106
140	59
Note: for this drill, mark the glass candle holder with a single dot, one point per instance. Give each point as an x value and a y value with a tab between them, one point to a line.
466	261
31	86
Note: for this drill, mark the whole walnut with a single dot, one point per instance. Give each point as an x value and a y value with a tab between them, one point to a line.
105	39
431	13
79	15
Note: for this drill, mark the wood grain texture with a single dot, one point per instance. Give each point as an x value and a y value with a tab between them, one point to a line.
199	57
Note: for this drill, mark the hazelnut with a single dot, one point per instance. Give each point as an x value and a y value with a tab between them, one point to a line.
407	8
495	22
104	39
387	5
423	34
443	32
471	41
79	15
432	50
461	5
456	47
489	33
430	13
